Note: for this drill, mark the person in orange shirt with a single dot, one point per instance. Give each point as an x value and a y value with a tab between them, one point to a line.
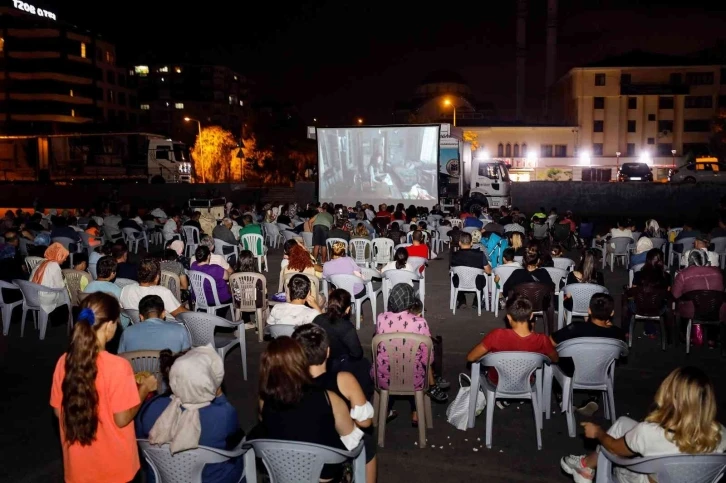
95	396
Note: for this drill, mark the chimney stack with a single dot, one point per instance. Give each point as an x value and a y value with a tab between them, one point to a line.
521	57
551	54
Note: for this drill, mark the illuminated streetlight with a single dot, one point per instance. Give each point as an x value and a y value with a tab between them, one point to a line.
585	158
673	152
532	158
482	154
617	160
645	158
360	120
201	145
447	103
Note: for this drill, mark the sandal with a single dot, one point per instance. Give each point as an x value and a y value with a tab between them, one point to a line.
391	415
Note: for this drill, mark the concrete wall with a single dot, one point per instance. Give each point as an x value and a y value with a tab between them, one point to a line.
673	202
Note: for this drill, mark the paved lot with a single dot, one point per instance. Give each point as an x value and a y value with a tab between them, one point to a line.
30	449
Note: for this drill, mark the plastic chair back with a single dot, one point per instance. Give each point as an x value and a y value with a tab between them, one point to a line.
679	468
280	330
244	290
557	275
329	243
593	358
358	248
68	243
122	282
515	371
658	242
298	462
229	251
648	301
622	244
254	243
581	294
416	263
467	277
401	348
198	280
706	304
382	250
307	237
132	314
143	361
73	282
563	263
32	262
539	294
171	281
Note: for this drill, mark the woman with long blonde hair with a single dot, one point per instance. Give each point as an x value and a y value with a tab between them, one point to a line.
95	396
682	422
517	242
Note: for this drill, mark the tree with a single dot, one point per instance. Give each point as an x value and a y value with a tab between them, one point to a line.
472	137
213	153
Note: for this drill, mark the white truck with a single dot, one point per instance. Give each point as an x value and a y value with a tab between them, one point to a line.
469	179
109	156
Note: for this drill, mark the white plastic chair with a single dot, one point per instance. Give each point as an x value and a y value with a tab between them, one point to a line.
198	280
73	282
122	282
298	462
31	301
581	294
187	466
192	237
171	281
515	371
358	248
382	250
70	244
443	237
132	314
134	237
244	297
330	241
467	283
273	235
32	262
456	222
255	244
557	275
631	273
564	263
391	278
621	250
346	282
201	331
719	246
504	272
659	243
92	270
280	330
401	349
307	237
6	308
594	359
228	250
685	244
677	468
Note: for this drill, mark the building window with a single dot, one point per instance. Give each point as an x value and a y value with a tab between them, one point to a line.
141	70
524	149
598	103
632	102
145	107
651	140
500	150
241	103
624	79
516	150
122	98
676	78
698	102
599	79
631	126
164	69
111	77
598	126
178	105
651	117
109	57
71	93
545	151
178	70
508	150
696	125
597	149
630	149
699	78
560	150
664	149
665	126
83	50
2	44
665	103
110	96
73	113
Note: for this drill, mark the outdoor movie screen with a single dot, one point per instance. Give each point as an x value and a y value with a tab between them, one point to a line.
379	164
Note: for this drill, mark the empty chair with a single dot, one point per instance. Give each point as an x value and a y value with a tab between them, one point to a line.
253	242
621	251
514	370
198	280
201	330
32	301
192	237
594	359
467	277
134	237
74	283
249	295
677	468
186	466
401	349
298	462
6	307
382	250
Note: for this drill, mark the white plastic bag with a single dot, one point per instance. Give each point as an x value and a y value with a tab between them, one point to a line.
458	411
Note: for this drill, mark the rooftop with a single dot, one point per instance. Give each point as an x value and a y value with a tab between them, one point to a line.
640	58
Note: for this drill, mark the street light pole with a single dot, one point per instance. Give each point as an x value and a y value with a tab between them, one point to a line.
617	159
673	152
449	102
201	144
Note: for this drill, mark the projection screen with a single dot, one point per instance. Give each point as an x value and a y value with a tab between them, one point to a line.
379	165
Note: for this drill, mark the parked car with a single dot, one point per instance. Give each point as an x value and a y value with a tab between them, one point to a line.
704	170
635	172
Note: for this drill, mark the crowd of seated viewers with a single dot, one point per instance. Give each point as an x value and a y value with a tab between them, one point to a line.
315	386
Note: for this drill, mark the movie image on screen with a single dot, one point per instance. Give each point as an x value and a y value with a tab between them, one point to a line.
376	164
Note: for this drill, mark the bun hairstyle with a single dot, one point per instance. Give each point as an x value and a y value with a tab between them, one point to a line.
79	406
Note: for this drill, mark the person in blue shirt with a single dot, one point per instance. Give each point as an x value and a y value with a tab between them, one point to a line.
105	272
474	220
153	333
195	380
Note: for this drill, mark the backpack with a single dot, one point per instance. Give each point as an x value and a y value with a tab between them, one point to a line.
495	247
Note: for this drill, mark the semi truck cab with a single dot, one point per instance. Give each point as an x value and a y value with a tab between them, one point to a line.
490	185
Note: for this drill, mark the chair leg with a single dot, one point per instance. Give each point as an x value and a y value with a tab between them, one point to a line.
688	336
611	403
478	304
42	323
421	409
630	331
22	323
7	312
473	394
537	419
260	325
376	408
358	310
428	413
456	295
382	415
491	402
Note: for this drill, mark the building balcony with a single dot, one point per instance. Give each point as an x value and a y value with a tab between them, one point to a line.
647	89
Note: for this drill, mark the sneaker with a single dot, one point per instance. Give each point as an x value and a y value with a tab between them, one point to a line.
250	325
502	404
442	383
437	395
588	409
574	465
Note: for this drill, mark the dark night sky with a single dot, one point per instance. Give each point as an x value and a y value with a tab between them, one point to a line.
340	60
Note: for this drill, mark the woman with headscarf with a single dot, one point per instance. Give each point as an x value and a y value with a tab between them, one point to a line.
404	315
48	273
642	247
194	412
178	247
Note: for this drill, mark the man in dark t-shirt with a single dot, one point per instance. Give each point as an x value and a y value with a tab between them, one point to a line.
601	311
466	257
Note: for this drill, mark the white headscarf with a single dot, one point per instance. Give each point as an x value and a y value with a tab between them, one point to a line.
194	379
644	245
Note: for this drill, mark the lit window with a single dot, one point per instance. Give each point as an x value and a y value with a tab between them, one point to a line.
179	105
167	104
73	113
83	50
241	103
142	70
145	107
2	44
235	77
109	59
71	93
164	69
131	72
177	70
231	100
162	79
